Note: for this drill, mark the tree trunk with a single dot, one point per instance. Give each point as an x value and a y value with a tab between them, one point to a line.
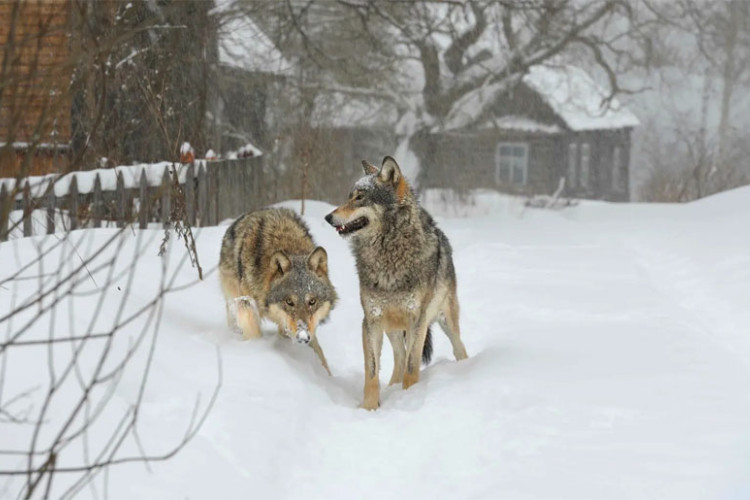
728	75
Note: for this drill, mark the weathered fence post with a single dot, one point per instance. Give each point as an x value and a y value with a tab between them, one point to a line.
166	188
120	199
260	190
51	201
213	197
73	202
144	209
96	208
189	190
5	208
234	180
202	196
27	209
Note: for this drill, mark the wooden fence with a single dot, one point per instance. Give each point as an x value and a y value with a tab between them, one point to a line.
202	193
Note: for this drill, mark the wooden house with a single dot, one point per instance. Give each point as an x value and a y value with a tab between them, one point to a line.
59	104
552	125
35	102
249	68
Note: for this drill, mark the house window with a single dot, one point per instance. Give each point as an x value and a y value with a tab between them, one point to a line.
618	174
585	165
511	163
572	165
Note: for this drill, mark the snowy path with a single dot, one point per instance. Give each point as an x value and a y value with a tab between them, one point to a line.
609	359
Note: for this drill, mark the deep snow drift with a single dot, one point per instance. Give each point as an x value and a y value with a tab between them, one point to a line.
609	359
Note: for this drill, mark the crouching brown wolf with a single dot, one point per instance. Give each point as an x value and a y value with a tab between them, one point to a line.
406	275
270	268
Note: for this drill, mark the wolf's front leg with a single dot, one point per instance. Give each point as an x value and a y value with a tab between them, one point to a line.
415	346
248	320
399	356
316	347
372	343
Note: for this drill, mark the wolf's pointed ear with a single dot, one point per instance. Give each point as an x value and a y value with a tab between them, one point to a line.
369	168
280	265
390	171
318	262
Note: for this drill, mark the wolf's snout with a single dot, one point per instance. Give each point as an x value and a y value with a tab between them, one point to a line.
303	336
329	218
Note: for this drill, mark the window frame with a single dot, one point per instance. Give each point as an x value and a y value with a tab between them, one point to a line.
525	169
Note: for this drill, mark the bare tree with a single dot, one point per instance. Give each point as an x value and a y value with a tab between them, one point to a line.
710	58
151	93
61	362
66	427
721	30
442	62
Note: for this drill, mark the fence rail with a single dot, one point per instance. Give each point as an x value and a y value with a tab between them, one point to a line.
201	193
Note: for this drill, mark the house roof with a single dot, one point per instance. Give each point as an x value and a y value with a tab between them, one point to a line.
576	98
569	91
243	45
520	124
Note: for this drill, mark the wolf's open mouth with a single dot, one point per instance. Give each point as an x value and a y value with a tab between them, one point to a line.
354	225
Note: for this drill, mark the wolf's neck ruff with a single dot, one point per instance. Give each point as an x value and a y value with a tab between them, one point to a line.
385	260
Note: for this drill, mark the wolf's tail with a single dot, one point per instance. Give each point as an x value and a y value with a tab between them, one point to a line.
427	350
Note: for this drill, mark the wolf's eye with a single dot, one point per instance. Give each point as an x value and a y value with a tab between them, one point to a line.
289	302
359	197
312	301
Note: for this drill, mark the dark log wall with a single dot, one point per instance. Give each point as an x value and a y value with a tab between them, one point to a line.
467	161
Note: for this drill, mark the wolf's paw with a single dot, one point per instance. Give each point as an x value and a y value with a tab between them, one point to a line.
251	334
369	405
409	380
460	353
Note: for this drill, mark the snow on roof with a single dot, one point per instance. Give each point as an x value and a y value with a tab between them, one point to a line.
577	99
569	91
243	45
521	124
472	106
38	145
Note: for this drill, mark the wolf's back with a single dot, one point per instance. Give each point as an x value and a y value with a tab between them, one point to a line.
253	238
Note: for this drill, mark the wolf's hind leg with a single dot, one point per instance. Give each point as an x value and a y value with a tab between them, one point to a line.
248	320
449	323
399	356
316	347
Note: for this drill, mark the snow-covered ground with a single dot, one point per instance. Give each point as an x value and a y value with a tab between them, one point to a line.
609	359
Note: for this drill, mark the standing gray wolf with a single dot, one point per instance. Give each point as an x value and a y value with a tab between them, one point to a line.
406	275
270	268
